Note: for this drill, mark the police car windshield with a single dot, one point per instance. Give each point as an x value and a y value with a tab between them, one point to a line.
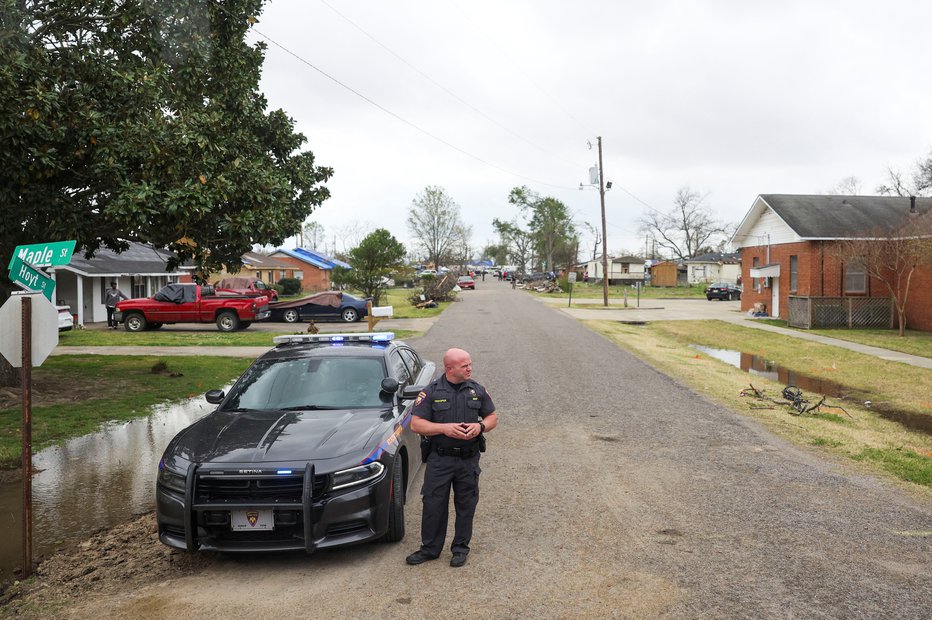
308	384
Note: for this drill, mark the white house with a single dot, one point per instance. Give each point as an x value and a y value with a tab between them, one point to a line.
621	270
715	267
140	271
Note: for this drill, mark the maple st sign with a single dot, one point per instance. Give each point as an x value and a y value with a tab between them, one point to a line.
26	260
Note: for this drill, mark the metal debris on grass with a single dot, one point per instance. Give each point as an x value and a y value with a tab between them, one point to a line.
793	398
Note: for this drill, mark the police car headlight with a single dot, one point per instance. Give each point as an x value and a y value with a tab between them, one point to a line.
170	479
357	475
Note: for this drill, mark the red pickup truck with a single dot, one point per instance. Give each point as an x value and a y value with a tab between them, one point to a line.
191	303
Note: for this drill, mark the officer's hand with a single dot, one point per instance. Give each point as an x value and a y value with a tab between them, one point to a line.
471	431
454	431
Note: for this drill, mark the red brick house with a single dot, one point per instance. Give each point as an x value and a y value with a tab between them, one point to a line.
787	245
312	268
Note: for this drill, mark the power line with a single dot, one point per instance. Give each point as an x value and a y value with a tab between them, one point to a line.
389	112
444	88
522	71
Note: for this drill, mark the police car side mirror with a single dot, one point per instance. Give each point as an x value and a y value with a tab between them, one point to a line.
214	397
389	385
411	391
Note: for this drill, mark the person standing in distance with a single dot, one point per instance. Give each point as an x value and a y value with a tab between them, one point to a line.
112	297
453	412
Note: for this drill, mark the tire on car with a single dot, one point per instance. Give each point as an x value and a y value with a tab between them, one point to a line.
396	508
227	321
349	315
135	322
291	315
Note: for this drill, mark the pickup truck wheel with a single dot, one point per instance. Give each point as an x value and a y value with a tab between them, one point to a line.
227	321
396	508
349	315
290	315
135	322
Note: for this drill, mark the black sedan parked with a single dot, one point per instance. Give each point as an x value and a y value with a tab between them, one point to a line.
312	448
327	306
722	290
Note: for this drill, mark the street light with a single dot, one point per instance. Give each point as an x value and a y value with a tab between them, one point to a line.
602	188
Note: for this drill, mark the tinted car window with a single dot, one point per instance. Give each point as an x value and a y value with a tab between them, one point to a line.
310	383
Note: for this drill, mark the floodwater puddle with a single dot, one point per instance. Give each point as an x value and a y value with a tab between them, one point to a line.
91	482
757	365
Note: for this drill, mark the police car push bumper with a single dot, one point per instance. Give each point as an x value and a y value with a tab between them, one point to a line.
334	518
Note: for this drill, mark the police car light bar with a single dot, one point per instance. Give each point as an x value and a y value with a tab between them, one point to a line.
334	338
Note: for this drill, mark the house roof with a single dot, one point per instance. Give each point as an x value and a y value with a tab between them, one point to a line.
815	217
321	261
261	261
717	257
138	259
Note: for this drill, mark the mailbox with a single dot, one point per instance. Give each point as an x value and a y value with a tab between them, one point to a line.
382	311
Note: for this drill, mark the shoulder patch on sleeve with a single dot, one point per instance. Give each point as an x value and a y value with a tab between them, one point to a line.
420	398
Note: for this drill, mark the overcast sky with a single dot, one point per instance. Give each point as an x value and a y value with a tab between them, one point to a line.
733	99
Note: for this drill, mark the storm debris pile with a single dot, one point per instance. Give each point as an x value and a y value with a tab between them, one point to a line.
435	290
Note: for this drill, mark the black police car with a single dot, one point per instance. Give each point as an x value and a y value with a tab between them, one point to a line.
312	448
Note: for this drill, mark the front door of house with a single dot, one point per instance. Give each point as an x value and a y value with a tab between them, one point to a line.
775	297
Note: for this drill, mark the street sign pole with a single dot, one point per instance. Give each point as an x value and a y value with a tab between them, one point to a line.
27	435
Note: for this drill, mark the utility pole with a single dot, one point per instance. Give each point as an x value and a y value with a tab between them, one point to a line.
604	236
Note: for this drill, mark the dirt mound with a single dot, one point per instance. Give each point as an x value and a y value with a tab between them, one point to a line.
117	560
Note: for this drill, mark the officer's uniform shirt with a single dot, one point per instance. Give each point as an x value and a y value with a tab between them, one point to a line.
444	402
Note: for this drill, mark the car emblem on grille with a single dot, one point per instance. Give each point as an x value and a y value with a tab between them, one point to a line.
252	516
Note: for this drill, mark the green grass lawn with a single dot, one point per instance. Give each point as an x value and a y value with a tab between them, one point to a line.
582	290
914	342
73	395
161	338
858	433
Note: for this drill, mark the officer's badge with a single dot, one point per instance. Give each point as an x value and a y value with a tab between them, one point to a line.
420	398
472	391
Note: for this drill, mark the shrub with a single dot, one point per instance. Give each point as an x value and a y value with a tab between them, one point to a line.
290	286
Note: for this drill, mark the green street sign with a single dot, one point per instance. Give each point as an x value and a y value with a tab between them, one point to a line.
44	254
31	279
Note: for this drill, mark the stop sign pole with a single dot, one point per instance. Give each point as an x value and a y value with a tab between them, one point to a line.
26	383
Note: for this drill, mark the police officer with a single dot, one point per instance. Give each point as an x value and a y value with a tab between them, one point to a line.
453	412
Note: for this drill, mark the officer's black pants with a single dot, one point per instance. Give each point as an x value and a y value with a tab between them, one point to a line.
442	473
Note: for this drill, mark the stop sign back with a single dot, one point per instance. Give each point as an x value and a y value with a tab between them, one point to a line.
44	329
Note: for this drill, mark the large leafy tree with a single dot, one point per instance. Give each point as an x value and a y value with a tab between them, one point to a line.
435	223
519	242
373	260
137	120
140	120
549	224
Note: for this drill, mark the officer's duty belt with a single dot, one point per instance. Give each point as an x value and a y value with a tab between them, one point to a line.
463	453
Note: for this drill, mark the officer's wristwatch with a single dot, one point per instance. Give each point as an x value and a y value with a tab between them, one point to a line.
482	426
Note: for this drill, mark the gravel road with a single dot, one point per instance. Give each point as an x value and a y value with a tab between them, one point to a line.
608	490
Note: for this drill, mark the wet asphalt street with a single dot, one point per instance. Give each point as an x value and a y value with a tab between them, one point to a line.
609	490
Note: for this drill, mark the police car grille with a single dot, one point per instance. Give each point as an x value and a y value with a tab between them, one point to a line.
278	488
